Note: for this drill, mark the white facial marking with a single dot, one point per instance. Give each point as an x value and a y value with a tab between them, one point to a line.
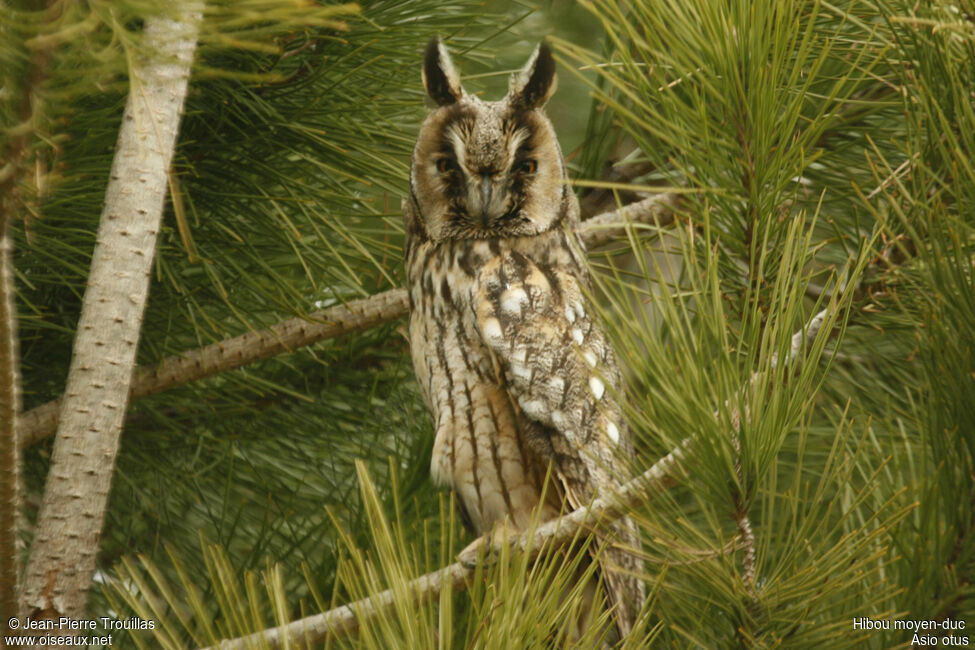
570	314
613	432
590	358
460	149
515	141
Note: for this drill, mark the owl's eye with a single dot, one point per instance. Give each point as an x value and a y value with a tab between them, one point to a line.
528	166
445	165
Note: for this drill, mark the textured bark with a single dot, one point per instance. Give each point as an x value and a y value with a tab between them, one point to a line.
62	557
9	447
289	335
602	229
286	336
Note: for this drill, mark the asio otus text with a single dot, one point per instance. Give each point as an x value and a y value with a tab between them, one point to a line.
519	378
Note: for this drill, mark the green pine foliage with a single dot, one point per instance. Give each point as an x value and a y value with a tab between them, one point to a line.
825	155
933	208
284	198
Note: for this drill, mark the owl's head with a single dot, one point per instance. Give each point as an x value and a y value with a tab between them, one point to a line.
487	169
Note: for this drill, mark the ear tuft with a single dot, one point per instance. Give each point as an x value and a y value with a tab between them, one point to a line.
536	82
440	77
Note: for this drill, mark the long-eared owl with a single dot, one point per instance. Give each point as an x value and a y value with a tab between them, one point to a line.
520	379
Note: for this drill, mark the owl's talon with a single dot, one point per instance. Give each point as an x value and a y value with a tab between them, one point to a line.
472	553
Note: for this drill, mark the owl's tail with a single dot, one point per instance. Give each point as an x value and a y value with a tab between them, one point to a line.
615	585
620	568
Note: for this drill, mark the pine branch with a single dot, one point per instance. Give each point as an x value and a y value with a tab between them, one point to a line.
287	336
602	512
62	558
346	619
604	228
741	516
598	198
799	340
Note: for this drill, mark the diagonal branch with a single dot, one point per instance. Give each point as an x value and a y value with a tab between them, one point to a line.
602	512
348	618
603	228
286	336
289	335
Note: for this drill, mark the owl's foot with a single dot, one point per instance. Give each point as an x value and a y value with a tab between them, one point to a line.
473	554
486	549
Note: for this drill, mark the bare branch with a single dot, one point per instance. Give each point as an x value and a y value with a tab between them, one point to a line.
604	228
347	618
741	515
597	199
748	543
902	169
289	335
804	337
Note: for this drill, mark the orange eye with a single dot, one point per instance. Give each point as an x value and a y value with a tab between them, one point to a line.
444	165
528	167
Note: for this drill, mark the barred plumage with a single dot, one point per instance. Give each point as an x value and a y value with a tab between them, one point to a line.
517	374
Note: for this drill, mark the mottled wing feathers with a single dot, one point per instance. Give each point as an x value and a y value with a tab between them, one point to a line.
555	360
561	374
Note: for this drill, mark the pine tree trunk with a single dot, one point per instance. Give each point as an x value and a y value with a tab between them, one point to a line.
14	153
63	553
9	445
